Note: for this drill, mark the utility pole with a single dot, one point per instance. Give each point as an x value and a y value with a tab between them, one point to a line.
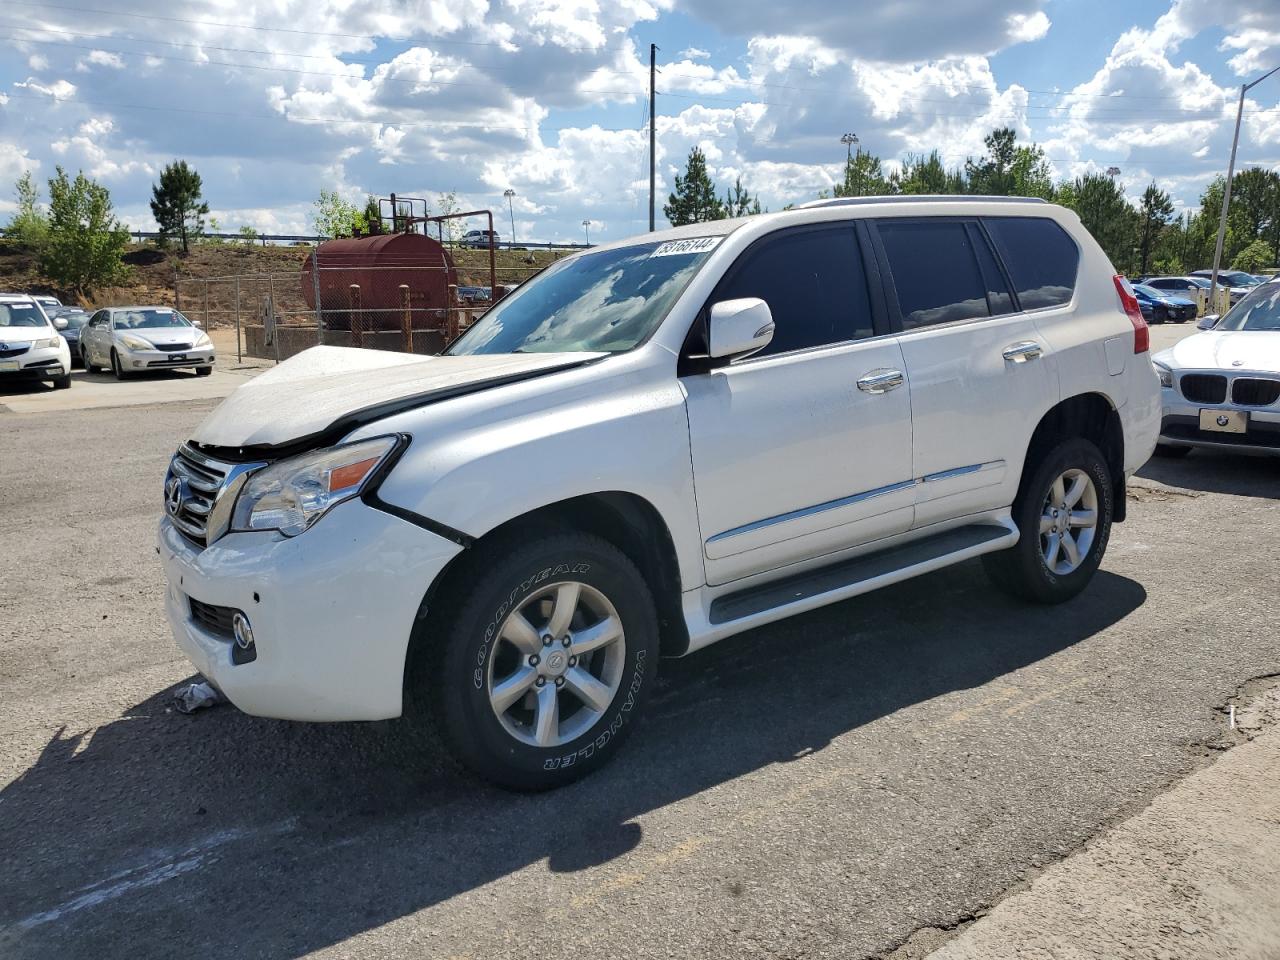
586	228
1226	193
509	193
653	139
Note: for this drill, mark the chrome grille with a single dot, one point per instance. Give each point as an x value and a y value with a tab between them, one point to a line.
1255	391
200	493
1203	387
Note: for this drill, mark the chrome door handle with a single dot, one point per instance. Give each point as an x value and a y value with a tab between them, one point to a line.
881	381
1022	351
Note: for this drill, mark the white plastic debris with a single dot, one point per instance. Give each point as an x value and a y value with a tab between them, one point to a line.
196	696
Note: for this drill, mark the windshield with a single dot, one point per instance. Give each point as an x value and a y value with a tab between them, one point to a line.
21	315
148	318
1146	291
1258	311
608	301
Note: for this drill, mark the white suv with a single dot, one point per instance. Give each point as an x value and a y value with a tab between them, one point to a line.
651	446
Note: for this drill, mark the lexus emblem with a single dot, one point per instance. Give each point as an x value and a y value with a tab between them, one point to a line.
175	494
1223	420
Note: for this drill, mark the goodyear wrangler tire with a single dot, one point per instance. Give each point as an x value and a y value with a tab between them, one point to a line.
544	664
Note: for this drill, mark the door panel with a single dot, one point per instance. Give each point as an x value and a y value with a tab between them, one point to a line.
792	460
979	373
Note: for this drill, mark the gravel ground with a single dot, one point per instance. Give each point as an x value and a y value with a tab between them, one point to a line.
826	787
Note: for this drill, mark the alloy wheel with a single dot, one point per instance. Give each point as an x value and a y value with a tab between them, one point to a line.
1068	521
557	664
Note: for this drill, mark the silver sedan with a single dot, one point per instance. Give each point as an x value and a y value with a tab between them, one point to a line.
135	339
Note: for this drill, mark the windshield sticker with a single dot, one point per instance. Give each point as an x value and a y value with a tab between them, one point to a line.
684	248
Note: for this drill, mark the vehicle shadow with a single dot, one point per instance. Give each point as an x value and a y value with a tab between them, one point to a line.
1213	471
225	835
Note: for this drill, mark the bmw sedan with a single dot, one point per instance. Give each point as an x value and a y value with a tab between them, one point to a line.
136	339
1159	306
1221	388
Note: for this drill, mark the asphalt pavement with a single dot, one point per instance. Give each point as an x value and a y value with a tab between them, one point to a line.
862	779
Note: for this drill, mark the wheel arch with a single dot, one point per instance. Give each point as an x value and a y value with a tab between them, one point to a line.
629	522
1089	415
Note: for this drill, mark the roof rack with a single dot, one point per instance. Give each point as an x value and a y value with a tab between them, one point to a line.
914	198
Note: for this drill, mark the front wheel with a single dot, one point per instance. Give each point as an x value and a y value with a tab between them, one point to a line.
116	368
63	382
89	365
203	371
543	665
1063	513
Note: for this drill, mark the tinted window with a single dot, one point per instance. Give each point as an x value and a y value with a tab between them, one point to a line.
1041	258
998	299
813	282
935	271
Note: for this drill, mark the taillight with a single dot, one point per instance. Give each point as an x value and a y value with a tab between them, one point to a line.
1129	303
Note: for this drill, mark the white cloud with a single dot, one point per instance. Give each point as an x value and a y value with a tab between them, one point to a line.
1025	28
59	89
37	62
100	58
695	53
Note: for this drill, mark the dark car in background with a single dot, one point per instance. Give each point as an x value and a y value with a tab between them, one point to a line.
1159	306
76	319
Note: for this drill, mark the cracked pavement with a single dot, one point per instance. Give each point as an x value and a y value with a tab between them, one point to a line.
823	787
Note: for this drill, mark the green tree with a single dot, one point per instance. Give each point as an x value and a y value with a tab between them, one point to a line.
1255	208
30	225
1254	257
694	199
86	240
863	177
177	205
926	175
738	202
1009	169
1099	201
333	216
1154	215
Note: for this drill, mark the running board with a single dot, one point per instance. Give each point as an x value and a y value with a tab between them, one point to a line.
848	578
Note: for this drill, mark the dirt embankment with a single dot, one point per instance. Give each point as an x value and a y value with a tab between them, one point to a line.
153	273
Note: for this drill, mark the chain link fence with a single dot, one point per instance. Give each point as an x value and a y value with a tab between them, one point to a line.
396	304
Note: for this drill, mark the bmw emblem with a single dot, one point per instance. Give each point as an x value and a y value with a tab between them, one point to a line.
175	494
1223	419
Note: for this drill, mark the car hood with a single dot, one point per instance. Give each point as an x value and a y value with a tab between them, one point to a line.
1225	350
325	392
24	336
1174	301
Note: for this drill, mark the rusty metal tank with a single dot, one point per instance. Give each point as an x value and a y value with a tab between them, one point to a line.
380	264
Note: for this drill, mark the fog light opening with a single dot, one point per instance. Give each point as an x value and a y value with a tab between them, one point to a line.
242	630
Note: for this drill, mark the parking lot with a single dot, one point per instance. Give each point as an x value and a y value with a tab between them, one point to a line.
851	782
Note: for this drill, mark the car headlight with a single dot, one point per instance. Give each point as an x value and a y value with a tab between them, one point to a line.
135	343
291	495
1164	373
51	342
202	340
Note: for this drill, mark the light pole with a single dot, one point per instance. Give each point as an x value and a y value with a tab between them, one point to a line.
849	139
1226	193
509	193
586	229
1113	172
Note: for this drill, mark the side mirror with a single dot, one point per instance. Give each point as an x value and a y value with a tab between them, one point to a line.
738	328
196	323
60	323
1208	321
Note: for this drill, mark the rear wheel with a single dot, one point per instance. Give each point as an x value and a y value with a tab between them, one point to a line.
543	666
1063	513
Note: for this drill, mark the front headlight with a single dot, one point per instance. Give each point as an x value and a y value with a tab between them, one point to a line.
202	340
51	342
1164	373
291	495
135	343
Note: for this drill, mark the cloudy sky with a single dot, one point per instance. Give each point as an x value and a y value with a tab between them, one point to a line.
274	100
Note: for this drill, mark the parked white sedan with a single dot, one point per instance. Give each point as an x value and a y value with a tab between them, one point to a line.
135	339
1221	388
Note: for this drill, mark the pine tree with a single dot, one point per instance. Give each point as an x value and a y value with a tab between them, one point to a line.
1154	214
177	205
694	199
738	202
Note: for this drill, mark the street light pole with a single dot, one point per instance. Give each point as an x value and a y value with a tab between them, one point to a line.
1226	192
586	229
509	193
